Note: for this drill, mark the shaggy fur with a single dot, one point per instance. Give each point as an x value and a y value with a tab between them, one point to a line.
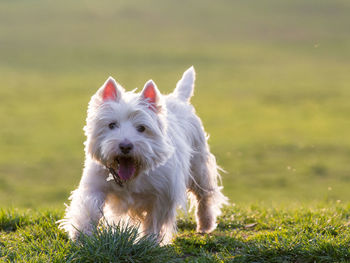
157	147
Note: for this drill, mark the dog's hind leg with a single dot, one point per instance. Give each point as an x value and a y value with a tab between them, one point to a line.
204	186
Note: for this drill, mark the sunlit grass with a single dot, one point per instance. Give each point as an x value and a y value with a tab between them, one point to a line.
252	233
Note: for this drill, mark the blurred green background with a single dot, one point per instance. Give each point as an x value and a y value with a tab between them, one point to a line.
273	89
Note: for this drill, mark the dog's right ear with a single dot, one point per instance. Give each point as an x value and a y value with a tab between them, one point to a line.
111	90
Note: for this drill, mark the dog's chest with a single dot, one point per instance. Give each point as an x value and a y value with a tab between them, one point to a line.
127	198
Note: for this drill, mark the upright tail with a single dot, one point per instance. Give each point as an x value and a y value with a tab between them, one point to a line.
185	86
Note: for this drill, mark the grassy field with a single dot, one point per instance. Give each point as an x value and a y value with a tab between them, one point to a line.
272	89
254	234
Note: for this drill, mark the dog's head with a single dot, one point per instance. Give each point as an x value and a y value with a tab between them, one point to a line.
126	130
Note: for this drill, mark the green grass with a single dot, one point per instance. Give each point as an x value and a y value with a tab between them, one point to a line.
244	234
272	90
34	237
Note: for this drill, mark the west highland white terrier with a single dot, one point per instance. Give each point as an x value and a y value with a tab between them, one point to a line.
144	153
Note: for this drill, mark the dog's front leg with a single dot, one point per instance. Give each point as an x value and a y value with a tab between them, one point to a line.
84	212
85	209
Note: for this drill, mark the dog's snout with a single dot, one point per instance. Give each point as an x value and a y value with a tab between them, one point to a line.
125	148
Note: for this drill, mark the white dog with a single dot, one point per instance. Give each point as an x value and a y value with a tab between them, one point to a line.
144	153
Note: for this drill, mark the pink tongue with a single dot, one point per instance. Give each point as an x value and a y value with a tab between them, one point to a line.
126	168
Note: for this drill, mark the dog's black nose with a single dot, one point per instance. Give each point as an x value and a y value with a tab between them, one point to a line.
125	147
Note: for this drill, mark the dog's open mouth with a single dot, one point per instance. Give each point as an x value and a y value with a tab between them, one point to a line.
126	168
123	170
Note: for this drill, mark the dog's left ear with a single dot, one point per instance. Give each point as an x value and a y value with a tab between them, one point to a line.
151	94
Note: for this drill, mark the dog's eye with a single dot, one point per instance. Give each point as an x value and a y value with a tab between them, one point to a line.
112	125
141	128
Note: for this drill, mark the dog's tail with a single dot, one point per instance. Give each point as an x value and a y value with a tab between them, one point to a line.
185	86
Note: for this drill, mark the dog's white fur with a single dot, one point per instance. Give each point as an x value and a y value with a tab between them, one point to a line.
171	157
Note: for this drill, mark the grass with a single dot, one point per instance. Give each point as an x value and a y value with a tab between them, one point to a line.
34	237
272	90
120	244
244	234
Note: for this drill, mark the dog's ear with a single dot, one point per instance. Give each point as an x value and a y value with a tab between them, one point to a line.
111	90
185	86
151	94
